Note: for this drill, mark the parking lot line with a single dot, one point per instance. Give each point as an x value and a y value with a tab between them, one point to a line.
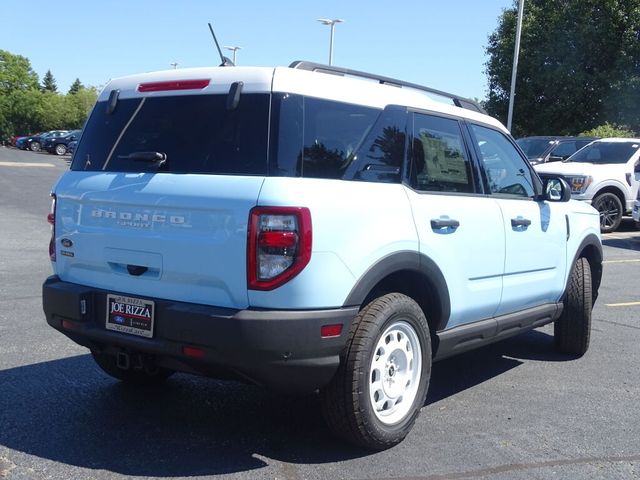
631	260
626	304
23	164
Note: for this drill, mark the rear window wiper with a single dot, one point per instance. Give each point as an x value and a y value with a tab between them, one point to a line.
154	157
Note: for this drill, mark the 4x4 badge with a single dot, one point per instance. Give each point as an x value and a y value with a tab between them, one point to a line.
66	243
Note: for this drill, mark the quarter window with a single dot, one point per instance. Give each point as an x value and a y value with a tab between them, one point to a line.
506	172
316	138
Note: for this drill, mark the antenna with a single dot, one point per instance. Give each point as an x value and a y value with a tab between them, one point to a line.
225	61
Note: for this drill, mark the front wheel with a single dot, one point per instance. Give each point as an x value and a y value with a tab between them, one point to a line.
610	208
35	146
572	329
381	384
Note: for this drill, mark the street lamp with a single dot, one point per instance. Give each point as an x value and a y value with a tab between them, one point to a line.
174	65
234	50
326	21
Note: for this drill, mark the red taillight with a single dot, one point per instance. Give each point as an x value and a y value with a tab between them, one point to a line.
193	352
175	85
331	330
51	218
279	245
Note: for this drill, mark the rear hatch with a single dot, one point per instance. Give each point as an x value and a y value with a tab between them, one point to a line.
158	197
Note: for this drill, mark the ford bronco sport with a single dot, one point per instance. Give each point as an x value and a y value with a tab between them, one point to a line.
309	229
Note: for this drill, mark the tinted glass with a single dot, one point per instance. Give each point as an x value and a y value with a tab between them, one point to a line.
440	160
564	149
534	147
332	132
316	138
287	116
381	155
606	152
196	133
506	172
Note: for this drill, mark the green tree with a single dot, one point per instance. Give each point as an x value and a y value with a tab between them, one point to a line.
579	66
606	131
17	82
49	83
16	73
75	87
80	104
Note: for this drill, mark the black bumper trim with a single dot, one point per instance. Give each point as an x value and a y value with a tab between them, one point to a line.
281	349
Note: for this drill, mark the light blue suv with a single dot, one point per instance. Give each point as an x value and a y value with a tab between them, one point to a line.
309	229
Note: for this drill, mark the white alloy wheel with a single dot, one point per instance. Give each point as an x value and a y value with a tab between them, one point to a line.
394	374
61	149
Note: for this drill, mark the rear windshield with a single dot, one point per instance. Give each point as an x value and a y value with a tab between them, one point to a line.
605	152
180	134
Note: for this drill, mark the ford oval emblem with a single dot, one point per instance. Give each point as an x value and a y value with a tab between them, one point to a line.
66	243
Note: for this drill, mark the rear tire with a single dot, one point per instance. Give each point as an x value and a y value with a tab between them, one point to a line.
132	376
60	149
381	384
572	330
610	208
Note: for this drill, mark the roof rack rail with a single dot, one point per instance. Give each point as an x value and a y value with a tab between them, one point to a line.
458	101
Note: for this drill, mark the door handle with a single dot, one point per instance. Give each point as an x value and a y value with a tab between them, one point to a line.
437	223
520	222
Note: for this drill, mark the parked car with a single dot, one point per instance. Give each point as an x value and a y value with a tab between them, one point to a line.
603	174
34	142
14	139
23	142
551	149
59	145
20	142
636	205
71	147
328	233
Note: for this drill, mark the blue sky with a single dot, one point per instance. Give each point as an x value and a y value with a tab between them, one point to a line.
435	43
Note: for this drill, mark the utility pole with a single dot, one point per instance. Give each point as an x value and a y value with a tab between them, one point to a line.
514	70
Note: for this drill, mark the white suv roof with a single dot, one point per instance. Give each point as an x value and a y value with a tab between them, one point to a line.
292	80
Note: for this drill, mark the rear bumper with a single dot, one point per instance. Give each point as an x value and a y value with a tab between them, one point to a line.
282	350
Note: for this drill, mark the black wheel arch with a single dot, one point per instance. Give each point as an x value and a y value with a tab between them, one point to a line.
412	274
591	249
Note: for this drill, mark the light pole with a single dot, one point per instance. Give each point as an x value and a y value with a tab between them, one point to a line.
174	65
234	50
514	70
326	21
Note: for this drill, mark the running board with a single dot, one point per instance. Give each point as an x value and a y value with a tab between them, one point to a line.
466	337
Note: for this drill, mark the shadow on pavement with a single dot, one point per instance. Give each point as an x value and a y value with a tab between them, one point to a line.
69	411
469	369
627	236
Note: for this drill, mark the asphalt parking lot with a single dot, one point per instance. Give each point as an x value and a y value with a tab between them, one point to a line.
513	410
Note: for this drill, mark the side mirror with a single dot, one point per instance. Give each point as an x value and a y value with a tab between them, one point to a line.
556	189
636	168
555	158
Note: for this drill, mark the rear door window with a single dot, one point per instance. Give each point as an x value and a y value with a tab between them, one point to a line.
440	160
195	133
